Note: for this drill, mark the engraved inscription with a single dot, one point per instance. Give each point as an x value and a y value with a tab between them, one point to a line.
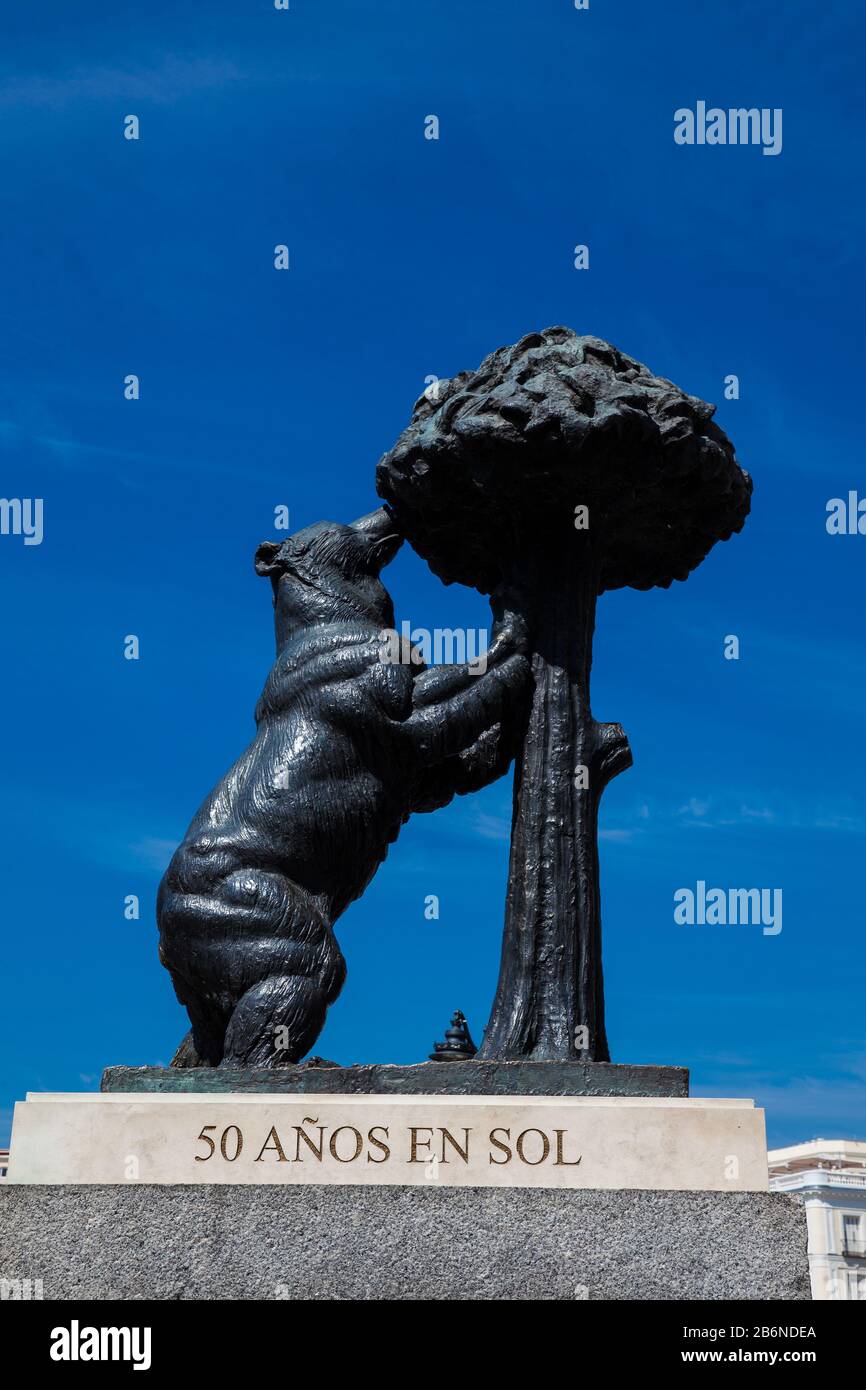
346	1144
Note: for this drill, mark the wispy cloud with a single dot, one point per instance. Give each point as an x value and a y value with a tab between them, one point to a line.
80	454
492	827
166	82
99	832
827	1101
656	819
153	852
807	1106
651	821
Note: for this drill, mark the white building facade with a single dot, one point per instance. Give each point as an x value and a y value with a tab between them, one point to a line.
829	1177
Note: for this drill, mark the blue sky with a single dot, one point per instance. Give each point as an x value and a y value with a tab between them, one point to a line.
412	257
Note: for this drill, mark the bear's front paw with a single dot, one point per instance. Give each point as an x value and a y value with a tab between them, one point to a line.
510	628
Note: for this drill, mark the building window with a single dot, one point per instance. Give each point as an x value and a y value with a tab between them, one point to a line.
853	1235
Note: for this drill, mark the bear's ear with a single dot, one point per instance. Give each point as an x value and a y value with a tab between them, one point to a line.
266	557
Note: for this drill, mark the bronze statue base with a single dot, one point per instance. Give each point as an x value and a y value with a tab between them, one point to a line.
458	1078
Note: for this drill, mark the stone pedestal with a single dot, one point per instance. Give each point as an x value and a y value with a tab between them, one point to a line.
265	1194
598	1142
431	1242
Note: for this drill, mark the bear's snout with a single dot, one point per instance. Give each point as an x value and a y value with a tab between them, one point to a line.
380	530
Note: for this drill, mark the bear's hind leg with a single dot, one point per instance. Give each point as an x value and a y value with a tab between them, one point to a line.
291	978
203	1044
277	1021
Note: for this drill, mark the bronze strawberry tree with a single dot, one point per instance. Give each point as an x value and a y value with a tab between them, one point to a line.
559	469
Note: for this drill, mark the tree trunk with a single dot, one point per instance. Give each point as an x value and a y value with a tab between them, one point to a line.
549	1002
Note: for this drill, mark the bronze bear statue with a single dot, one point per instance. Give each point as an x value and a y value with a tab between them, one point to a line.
348	744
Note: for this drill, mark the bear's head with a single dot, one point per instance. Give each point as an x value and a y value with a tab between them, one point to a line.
329	573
